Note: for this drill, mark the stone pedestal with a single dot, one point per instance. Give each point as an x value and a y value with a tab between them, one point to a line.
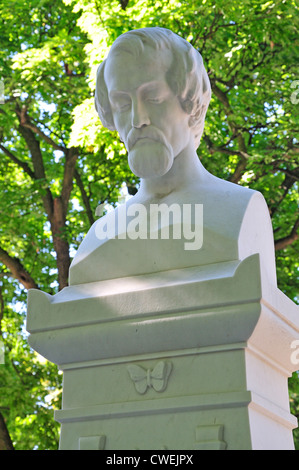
194	358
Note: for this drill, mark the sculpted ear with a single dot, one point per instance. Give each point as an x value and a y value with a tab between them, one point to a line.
102	104
200	90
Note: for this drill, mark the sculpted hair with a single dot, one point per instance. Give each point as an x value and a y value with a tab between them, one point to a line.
186	77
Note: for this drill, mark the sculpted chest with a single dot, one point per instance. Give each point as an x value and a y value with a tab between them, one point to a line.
139	239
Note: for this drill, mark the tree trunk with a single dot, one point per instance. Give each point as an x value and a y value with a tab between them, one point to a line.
61	245
5	441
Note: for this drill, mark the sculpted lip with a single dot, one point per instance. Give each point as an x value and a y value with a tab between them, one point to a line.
144	140
150	136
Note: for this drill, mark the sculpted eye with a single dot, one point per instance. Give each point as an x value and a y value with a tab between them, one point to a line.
154	99
120	101
123	106
156	92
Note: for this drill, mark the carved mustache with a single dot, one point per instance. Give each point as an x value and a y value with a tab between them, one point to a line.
149	133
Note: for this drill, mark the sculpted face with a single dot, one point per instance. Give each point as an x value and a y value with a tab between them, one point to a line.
147	114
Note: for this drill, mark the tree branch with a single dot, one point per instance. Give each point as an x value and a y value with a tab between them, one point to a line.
123	4
288	240
237	175
17	161
25	121
242	150
221	95
44	136
38	166
287	184
17	270
85	197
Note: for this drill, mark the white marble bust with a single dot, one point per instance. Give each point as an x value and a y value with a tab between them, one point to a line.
154	90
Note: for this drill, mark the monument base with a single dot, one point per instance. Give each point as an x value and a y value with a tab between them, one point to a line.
197	358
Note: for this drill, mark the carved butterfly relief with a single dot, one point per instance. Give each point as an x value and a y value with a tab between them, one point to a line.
145	378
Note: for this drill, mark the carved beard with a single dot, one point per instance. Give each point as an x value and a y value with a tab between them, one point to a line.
149	158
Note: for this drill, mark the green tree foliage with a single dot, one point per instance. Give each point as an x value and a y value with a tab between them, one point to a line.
57	162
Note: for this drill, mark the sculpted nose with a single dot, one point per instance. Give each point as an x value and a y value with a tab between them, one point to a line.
140	116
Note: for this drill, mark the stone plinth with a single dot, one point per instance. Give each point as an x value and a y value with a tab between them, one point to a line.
194	358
